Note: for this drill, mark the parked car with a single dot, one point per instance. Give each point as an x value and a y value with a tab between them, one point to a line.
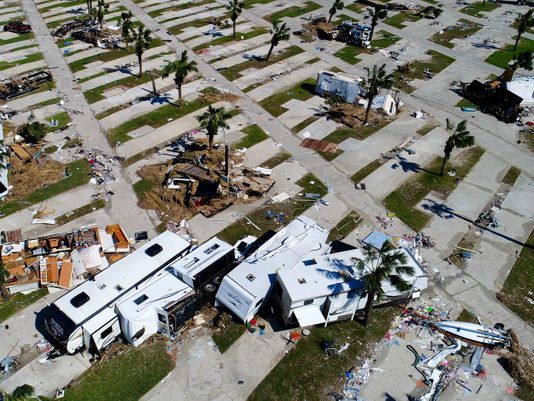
17	27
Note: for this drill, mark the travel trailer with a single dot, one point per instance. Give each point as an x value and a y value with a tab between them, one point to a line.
246	288
327	288
4	181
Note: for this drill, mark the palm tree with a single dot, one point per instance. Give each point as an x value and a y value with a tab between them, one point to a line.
99	13
4	155
458	138
521	60
376	13
127	27
337	5
524	21
21	393
212	120
181	68
279	32
377	79
378	267
142	40
89	8
236	8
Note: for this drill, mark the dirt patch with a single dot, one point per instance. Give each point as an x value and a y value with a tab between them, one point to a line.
352	115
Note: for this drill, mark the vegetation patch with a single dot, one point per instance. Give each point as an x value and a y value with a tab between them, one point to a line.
383	39
359	175
465	103
4	65
345	226
476	9
425	129
302	91
501	58
18	302
359	132
468	317
398	20
293	11
277	159
254	134
303	124
81	211
404	199
178	7
257	31
62	119
511	176
96	94
462	29
228	332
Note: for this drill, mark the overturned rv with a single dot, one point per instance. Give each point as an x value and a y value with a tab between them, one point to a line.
328	288
247	287
4	175
155	289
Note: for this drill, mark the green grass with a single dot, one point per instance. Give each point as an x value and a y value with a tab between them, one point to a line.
359	175
81	211
437	63
249	3
329	156
302	91
455	32
359	132
112	110
234	72
355	7
277	159
349	53
303	124
345	226
468	317
344	17
143	186
63	4
124	377
511	176
476	9
465	103
293	11
79	175
138	156
45	103
228	335
155	119
62	118
18	302
291	209
398	20
425	129
404	199
178	7
501	58
177	29
96	94
18	38
306	374
254	134
517	289
31	58
256	31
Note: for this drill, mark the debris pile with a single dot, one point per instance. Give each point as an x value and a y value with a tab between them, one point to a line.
105	168
18	85
64	29
103	38
17	27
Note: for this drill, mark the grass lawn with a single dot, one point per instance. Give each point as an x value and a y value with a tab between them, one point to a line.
306	374
476	9
359	175
501	58
178	7
62	118
81	211
79	175
131	81
359	132
468	317
229	334
329	155
465	103
63	4
277	159
349	53
437	63
4	65
398	20
290	208
404	199
18	38
234	72
462	29
176	29
143	186
293	11
517	291
254	134
124	377
511	176
302	91
355	7
425	129
18	302
345	226
256	31
300	126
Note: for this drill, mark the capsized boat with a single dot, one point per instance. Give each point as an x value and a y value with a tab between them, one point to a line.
473	333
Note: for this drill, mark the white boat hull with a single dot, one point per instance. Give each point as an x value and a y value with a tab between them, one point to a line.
473	333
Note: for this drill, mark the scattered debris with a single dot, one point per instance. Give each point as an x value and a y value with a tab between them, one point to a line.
17	27
18	85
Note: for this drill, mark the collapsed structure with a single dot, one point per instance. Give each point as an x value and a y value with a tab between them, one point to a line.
59	259
4	175
18	85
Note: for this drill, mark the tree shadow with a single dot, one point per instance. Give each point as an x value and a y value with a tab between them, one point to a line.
389	397
410	167
445	212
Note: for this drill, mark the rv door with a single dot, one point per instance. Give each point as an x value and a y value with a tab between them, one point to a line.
235	298
106	335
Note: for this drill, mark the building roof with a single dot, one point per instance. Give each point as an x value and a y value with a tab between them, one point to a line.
524	88
109	285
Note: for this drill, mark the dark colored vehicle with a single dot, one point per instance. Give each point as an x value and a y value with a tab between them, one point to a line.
17	27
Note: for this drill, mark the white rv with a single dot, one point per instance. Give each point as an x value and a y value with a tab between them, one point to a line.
86	317
4	182
327	288
244	290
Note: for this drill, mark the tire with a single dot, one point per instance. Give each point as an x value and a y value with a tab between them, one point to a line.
217	280
499	326
210	287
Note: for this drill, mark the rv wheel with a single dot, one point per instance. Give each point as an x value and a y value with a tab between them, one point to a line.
210	287
499	326
217	280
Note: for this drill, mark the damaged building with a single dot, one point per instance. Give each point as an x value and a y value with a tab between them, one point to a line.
18	85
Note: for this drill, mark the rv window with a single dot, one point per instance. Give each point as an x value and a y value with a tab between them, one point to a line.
259	303
153	250
302	280
81	299
308	302
139	334
309	262
141	299
211	248
106	332
162	318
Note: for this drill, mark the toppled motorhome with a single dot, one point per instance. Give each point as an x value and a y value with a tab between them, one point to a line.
246	288
328	288
348	32
96	36
347	87
524	88
17	27
70	26
18	85
58	259
4	174
155	289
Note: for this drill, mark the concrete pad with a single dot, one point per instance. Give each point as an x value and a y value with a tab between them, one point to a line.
319	128
139	132
327	215
521	197
260	152
19	55
297	112
19	69
24	102
285	176
15	45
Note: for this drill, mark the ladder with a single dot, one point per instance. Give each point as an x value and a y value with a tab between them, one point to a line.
42	271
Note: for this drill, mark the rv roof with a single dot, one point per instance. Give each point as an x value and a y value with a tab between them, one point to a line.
107	286
320	276
301	238
201	257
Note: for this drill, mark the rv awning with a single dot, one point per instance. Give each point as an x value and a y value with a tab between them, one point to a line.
309	315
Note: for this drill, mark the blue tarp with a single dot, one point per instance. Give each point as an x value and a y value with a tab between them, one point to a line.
376	239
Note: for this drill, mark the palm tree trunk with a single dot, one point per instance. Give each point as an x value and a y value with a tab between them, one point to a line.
373	24
330	18
140	58
443	165
154	89
368	307
367	110
179	87
517	38
270	51
210	141
233	29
